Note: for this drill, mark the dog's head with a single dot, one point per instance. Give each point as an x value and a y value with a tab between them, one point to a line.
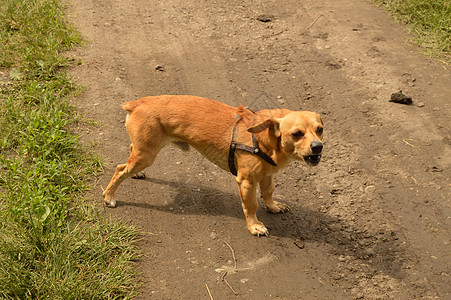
299	134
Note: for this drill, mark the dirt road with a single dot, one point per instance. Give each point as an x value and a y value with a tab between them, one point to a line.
372	221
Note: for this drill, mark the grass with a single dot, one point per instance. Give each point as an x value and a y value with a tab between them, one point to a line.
52	244
428	20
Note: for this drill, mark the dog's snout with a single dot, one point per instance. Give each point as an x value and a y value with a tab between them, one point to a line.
317	147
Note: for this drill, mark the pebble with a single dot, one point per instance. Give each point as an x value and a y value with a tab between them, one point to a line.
265	18
420	104
399	97
160	68
370	189
359	295
299	243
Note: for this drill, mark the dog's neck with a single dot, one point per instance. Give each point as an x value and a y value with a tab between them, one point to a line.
267	141
271	145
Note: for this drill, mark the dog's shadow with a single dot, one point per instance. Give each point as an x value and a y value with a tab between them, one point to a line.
192	199
383	250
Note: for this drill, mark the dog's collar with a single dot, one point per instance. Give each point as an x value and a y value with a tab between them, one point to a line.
254	150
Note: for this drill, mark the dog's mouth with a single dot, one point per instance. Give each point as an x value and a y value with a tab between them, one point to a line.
312	160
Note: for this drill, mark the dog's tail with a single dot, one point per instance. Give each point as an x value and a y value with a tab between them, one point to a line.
130	106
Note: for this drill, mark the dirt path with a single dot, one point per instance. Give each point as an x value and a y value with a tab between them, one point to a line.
372	221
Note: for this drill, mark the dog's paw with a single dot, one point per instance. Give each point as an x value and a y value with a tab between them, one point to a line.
276	207
111	204
258	229
139	175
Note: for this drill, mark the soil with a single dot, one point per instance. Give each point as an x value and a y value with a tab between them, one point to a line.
372	221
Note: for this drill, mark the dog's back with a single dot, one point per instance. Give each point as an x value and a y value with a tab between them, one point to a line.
202	123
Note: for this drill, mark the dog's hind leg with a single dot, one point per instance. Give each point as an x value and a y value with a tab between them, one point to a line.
135	164
139	175
143	153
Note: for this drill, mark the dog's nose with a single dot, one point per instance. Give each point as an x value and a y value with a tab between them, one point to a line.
317	147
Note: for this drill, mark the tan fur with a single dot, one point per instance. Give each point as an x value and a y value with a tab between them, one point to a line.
207	125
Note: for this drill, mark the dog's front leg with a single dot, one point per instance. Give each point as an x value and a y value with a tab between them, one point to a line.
267	189
248	193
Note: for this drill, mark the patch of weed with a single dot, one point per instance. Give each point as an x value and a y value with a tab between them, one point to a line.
428	20
52	244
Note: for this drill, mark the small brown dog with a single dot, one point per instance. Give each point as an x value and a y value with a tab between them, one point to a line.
221	132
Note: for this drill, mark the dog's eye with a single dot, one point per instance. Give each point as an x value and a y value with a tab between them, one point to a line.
297	134
319	130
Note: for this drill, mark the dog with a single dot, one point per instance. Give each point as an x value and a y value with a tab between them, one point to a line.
217	131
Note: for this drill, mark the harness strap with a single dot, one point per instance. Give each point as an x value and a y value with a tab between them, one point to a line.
232	149
254	150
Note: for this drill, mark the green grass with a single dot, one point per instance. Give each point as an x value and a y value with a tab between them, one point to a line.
52	244
428	20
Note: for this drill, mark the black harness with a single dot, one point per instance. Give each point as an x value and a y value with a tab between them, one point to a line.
255	149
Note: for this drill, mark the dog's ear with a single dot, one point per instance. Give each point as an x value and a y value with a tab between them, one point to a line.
272	124
319	118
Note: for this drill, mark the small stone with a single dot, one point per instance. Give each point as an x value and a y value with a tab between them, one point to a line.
370	189
359	295
244	280
160	68
434	169
299	243
213	235
369	251
421	104
265	18
338	276
400	98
